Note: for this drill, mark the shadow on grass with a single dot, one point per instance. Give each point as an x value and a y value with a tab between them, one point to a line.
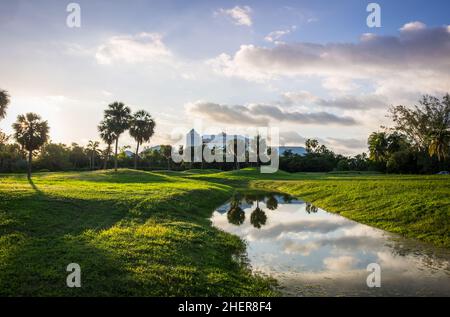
124	176
166	249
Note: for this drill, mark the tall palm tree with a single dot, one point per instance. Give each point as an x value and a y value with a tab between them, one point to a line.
108	136
4	101
92	147
142	128
31	133
378	146
118	118
440	144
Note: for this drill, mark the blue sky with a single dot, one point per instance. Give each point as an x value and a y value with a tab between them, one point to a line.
307	67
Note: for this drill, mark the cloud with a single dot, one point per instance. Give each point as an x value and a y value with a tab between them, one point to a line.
239	15
132	49
341	263
339	84
344	146
305	226
345	102
362	102
413	26
417	51
259	114
291	138
276	35
298	97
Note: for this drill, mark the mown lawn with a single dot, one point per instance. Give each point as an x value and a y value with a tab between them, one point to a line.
138	233
414	206
133	234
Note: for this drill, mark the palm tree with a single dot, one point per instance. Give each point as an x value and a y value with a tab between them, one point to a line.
440	144
31	133
166	151
117	116
142	128
378	146
108	136
4	101
92	147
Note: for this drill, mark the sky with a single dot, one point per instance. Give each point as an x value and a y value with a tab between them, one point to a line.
313	69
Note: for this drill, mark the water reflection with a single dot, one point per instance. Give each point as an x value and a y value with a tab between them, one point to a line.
312	252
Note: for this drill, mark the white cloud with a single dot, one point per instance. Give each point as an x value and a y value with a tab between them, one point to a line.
346	146
239	15
417	52
132	49
413	26
298	97
276	35
339	84
107	93
341	263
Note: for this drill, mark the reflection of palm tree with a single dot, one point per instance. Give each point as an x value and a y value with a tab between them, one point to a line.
250	198
310	208
287	199
272	202
258	217
236	215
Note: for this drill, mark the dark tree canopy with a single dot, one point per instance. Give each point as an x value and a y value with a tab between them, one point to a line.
30	131
4	102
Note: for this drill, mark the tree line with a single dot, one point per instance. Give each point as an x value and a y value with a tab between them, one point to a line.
418	142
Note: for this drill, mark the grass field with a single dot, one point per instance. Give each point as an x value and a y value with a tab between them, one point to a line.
141	233
133	233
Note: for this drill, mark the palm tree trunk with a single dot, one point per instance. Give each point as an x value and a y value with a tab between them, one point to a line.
93	160
30	157
168	163
136	156
115	154
105	163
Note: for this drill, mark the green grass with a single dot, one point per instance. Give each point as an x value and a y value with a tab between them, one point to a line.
133	234
138	233
412	206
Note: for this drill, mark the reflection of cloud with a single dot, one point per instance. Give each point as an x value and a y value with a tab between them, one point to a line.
343	243
304	249
304	226
341	263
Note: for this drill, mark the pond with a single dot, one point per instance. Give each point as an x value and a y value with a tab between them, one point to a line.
315	253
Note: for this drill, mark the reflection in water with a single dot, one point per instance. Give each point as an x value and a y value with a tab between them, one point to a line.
258	217
236	214
312	252
310	208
